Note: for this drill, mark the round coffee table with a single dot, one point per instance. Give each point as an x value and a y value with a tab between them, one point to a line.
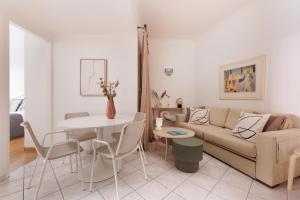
163	133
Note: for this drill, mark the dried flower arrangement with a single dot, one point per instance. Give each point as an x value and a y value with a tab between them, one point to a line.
109	90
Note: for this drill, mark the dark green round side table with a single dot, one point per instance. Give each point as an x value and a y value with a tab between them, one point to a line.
187	153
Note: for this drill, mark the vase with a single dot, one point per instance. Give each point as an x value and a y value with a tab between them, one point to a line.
110	109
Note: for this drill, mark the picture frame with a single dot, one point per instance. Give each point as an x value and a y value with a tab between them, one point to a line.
91	70
243	80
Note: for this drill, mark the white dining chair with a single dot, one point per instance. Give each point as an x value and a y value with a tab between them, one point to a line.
55	151
81	135
137	117
128	144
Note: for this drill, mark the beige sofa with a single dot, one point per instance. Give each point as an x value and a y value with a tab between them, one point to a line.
265	160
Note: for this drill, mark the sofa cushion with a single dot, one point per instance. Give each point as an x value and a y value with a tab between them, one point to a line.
199	116
218	116
232	117
249	125
222	137
199	129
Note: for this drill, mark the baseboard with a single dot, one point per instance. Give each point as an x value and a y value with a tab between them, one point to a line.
29	149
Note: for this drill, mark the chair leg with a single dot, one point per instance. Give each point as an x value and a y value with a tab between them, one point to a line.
92	170
292	164
143	152
80	164
77	168
144	168
71	164
62	195
35	166
116	177
40	180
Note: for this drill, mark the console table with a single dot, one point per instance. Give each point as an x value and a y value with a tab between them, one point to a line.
167	113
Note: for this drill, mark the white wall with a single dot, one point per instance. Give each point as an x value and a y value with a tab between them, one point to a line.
180	54
16	61
261	27
37	85
4	96
121	53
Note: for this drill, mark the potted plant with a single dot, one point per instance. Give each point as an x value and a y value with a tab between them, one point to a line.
109	90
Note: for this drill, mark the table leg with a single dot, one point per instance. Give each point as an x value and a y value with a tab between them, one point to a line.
103	168
166	153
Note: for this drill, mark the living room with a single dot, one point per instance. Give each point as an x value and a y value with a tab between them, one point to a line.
192	50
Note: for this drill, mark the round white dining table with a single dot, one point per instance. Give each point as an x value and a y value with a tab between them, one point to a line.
103	168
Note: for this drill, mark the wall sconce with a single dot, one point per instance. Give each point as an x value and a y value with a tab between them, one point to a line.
169	70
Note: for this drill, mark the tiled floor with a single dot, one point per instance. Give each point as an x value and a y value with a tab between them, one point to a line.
214	181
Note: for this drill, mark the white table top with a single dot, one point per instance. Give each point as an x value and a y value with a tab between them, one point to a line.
96	121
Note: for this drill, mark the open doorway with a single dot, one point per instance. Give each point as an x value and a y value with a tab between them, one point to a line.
18	155
30	91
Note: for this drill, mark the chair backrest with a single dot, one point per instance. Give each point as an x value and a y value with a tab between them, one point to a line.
139	116
76	115
39	148
130	137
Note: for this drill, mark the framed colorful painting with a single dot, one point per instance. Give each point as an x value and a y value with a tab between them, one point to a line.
243	79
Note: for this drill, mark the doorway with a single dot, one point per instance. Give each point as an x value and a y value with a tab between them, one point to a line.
18	155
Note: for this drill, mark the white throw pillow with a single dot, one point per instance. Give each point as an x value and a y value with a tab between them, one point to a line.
199	116
249	125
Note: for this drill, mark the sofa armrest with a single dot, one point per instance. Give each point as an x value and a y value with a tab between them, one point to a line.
180	118
273	151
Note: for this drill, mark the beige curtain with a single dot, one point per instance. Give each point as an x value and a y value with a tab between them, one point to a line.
145	93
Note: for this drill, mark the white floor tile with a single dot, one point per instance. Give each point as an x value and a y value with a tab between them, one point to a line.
109	191
11	187
165	164
213	197
92	196
214	181
153	170
213	170
229	192
13	196
170	179
260	190
237	179
173	196
135	180
126	170
253	197
181	173
133	196
190	191
153	191
203	181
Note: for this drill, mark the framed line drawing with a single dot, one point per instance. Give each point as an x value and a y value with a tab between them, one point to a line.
91	70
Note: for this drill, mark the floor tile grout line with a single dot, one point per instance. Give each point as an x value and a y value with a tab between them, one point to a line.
133	190
249	189
184	180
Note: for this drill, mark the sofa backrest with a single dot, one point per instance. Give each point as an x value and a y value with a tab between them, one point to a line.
217	116
233	116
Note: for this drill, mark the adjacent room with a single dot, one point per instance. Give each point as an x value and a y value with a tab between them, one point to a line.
149	100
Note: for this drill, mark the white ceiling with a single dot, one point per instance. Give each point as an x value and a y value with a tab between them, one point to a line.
185	18
75	16
165	18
